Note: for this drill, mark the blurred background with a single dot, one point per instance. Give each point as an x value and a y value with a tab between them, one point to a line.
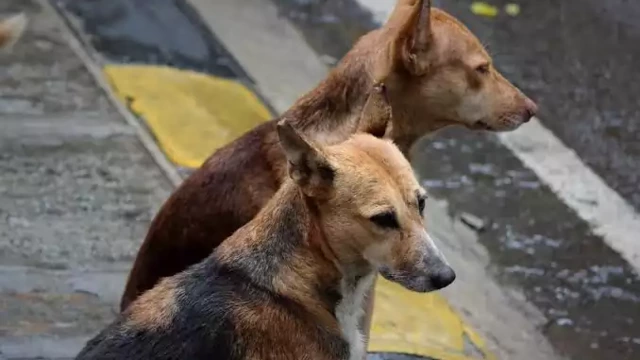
105	105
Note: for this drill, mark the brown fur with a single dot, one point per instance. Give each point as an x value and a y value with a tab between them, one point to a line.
436	73
255	325
156	308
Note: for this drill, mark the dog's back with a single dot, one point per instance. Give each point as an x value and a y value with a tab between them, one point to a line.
208	312
165	324
11	29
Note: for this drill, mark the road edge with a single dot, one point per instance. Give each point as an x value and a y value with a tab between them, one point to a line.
144	136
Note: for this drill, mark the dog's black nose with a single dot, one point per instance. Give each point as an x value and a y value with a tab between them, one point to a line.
444	277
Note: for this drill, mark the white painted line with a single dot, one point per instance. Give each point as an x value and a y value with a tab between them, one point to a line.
610	216
579	187
251	30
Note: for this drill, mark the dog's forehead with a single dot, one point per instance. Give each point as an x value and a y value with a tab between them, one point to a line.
453	37
380	159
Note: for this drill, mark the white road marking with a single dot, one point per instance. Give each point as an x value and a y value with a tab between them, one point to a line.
610	216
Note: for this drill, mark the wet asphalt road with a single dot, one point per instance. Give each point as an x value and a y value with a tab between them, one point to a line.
109	22
576	59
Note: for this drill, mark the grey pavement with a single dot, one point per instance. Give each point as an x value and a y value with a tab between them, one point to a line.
77	191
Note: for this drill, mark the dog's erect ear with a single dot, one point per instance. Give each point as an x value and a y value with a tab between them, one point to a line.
308	167
376	115
410	23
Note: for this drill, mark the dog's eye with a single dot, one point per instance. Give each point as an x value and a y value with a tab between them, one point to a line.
483	69
386	220
421	201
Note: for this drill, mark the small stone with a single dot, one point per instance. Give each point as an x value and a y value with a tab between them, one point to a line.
472	221
564	322
328	60
512	9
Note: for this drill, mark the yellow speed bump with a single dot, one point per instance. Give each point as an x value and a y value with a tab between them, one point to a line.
190	114
421	324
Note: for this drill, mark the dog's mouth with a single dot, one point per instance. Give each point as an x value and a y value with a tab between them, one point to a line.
482	125
503	123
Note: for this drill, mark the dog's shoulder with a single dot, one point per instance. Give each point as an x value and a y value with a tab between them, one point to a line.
254	162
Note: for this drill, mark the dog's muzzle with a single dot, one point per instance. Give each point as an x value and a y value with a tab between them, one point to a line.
436	277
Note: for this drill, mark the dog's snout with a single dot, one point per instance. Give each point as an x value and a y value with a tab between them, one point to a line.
530	109
443	277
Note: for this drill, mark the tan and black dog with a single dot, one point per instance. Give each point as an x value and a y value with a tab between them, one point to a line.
11	29
290	284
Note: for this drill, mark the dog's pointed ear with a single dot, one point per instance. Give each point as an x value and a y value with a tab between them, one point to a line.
308	167
376	115
410	23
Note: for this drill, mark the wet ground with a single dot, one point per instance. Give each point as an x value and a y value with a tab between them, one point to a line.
588	294
110	24
576	58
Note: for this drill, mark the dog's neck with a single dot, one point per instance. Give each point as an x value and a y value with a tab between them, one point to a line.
283	250
331	112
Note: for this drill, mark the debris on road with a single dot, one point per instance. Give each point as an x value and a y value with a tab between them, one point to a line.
483	9
512	9
472	221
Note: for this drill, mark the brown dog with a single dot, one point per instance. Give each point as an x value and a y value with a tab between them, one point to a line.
291	283
436	73
10	29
